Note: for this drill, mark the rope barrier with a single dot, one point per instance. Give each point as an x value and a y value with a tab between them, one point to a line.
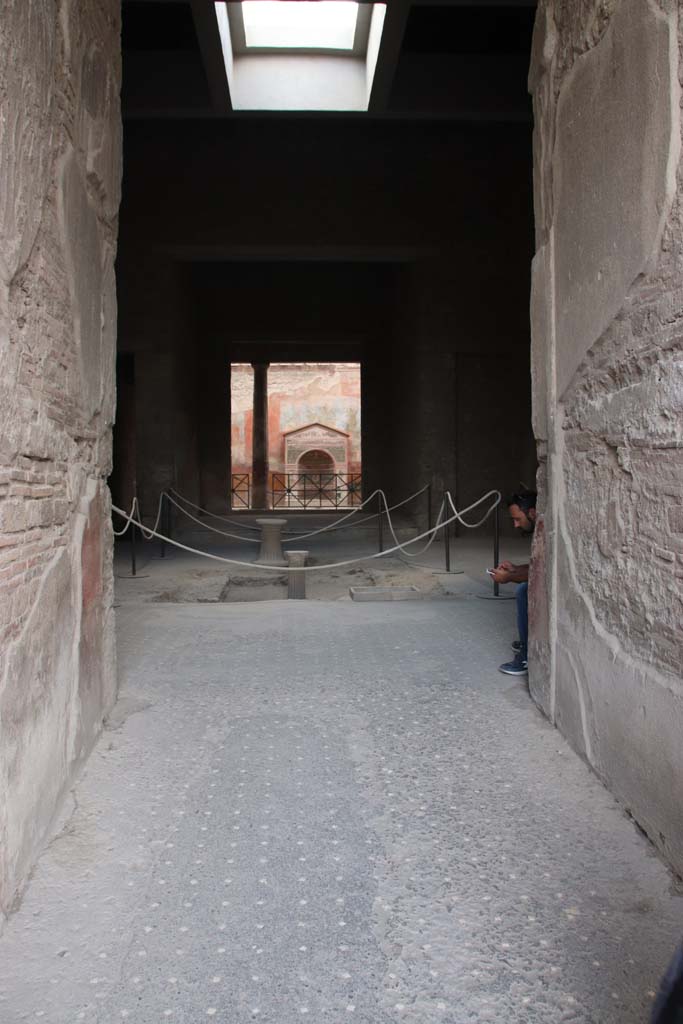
334	527
214	515
331	527
207	526
439	524
459	515
254	540
148	534
416	554
120	533
317	568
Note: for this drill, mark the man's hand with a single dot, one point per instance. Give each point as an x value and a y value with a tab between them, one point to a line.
507	572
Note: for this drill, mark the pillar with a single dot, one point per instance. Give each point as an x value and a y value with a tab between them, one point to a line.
259	456
214	429
296	581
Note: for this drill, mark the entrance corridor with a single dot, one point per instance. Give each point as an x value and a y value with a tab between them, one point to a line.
331	811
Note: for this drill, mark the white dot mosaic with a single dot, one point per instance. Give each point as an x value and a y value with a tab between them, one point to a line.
313	821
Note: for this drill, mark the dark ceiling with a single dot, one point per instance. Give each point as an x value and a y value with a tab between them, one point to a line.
157	26
459	61
490	31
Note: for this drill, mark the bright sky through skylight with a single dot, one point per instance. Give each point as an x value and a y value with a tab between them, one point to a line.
300	24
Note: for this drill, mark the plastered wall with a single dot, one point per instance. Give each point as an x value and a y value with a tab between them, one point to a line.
60	160
298	394
607	365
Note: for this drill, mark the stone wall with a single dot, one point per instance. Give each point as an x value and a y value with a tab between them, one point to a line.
60	157
607	365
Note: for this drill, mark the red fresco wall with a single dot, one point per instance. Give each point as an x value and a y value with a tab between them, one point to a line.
298	394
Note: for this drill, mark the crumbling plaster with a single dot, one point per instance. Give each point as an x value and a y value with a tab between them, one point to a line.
60	164
607	369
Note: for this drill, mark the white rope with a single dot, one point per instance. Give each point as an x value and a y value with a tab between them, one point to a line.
336	526
223	519
448	498
292	533
299	536
148	534
120	533
403	547
214	529
459	515
253	540
312	568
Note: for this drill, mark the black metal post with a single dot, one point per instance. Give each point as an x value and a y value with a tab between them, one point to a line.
133	563
429	505
379	523
496	546
169	519
447	544
162	519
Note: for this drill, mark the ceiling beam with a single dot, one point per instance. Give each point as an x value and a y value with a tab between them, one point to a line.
389	53
206	27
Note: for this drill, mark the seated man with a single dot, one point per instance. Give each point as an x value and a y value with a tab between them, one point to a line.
522	508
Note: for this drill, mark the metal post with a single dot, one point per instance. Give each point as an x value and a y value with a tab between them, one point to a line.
429	505
447	543
133	564
163	518
379	523
496	546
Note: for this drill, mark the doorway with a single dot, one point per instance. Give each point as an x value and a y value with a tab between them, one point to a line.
310	434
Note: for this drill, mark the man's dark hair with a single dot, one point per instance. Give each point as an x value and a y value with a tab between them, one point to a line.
524	499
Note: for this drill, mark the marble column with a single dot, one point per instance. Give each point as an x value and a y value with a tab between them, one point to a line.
259	456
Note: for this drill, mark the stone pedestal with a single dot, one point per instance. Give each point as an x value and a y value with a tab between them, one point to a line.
296	581
271	542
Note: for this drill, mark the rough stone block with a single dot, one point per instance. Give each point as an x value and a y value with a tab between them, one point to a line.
13	516
618	142
384	593
27	57
605	640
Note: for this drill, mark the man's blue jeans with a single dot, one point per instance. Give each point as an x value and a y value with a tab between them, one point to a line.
522	598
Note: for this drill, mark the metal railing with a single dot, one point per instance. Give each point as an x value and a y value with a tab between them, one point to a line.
315	490
240	490
300	490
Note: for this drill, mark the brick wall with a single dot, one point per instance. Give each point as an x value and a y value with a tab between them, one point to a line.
60	172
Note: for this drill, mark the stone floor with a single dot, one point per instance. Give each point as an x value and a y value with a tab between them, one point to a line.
337	812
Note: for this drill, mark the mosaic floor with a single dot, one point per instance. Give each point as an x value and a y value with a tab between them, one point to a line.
335	812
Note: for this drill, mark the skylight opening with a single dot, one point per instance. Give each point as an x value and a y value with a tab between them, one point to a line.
300	24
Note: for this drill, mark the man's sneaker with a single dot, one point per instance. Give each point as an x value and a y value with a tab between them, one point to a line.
518	667
516	646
